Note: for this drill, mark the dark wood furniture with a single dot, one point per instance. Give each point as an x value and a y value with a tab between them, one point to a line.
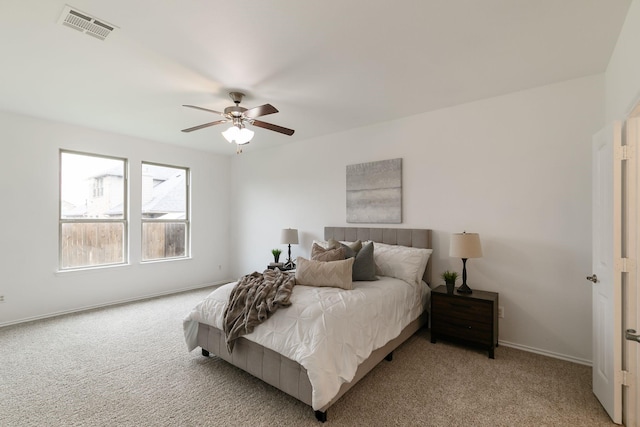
281	267
470	318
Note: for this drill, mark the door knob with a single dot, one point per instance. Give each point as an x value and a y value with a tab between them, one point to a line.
630	334
593	278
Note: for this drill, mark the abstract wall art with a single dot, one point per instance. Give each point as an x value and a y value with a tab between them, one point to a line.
374	192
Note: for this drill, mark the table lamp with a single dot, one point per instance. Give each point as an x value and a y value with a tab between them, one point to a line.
465	245
289	237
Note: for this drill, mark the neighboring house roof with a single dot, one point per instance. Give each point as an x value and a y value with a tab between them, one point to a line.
114	171
77	212
169	196
67	206
71	210
158	173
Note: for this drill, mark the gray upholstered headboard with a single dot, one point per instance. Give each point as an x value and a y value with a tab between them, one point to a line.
415	238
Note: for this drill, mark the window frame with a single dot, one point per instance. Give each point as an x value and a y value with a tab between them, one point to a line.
124	220
186	221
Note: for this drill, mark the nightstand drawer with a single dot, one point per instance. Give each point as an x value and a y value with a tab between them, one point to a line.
477	311
470	331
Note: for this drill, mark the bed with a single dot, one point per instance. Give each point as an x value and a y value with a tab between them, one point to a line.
295	356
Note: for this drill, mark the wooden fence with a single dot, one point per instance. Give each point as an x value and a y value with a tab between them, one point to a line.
99	243
163	240
88	244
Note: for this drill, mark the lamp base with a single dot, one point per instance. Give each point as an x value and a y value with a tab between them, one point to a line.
290	265
464	289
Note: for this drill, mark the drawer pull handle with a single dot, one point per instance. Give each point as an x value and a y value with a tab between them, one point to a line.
460	305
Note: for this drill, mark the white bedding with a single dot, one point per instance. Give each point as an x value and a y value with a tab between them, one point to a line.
329	331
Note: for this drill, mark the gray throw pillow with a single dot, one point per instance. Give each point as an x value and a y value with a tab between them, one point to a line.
364	267
333	244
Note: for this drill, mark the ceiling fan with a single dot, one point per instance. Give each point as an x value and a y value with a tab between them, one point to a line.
239	117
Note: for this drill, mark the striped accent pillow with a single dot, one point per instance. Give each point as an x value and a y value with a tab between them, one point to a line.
318	253
335	274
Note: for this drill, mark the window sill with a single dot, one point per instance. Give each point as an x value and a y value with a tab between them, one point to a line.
163	260
92	269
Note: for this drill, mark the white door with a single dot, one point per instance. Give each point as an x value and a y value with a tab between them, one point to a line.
607	309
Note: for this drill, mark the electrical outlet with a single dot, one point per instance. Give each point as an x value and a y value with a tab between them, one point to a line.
501	312
1	298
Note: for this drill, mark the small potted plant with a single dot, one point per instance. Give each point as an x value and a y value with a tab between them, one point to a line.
450	280
276	255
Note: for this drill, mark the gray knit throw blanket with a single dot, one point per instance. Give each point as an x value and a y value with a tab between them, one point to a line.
255	297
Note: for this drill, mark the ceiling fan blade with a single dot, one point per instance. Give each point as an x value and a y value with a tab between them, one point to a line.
262	110
206	125
203	109
273	127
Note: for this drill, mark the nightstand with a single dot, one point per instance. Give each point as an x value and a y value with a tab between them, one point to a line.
280	267
470	318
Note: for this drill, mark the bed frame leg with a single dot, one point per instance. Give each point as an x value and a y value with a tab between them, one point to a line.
389	357
205	353
321	416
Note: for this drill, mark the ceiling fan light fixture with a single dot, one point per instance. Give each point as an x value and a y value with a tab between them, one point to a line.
238	135
231	134
244	136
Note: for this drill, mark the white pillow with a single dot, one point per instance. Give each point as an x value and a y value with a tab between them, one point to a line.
401	262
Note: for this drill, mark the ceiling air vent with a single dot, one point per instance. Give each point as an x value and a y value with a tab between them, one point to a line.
85	23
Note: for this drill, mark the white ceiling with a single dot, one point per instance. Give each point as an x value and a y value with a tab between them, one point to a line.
327	65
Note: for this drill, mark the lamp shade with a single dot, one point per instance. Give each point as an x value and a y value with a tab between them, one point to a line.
289	236
465	245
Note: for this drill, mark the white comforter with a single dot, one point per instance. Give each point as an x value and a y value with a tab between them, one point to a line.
329	331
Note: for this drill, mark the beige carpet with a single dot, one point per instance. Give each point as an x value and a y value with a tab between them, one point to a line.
128	366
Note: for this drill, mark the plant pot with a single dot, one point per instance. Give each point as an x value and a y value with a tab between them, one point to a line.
276	258
450	287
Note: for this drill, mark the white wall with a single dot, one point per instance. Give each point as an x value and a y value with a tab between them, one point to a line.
622	77
516	169
29	164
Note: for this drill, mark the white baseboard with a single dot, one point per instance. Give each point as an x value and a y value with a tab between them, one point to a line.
123	301
546	353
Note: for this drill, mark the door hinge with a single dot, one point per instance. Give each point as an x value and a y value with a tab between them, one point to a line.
624	265
625	378
625	152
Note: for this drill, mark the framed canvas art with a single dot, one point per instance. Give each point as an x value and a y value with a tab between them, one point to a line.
374	192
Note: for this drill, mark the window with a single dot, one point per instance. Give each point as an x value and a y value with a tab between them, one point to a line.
165	212
93	211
